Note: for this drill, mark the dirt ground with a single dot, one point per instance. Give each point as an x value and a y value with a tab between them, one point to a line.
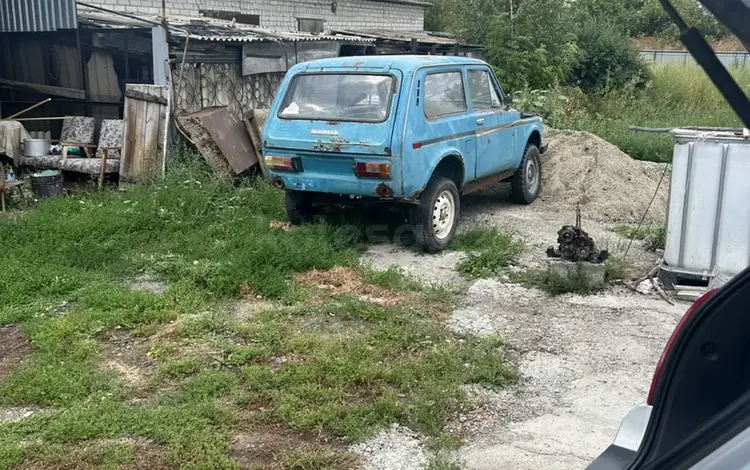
14	349
584	361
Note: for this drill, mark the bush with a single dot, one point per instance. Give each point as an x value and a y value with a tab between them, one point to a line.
606	59
552	104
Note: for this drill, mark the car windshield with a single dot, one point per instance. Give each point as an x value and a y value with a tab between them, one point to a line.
338	97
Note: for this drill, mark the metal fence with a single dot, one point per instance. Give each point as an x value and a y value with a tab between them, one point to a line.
729	59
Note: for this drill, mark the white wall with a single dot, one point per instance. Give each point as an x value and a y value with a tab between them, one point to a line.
283	14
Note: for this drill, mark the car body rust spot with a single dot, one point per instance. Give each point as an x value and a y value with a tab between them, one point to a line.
384	191
335	145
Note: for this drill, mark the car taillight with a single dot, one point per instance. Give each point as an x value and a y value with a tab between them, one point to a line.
657	373
284	163
372	170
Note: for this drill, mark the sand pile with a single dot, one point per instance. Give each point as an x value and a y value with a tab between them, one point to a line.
609	184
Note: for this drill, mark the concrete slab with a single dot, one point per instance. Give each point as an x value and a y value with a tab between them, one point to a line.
567	269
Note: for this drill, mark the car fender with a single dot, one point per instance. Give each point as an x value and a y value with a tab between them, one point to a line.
526	129
447	152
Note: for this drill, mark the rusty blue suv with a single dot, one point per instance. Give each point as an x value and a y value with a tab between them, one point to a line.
414	131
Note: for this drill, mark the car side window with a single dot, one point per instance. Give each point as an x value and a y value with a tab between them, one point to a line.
444	94
481	91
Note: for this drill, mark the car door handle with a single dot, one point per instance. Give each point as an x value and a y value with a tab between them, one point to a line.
480	122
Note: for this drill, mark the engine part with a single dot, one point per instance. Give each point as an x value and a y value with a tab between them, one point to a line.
575	244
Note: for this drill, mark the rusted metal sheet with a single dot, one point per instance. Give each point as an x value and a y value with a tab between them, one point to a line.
145	132
17	16
229	134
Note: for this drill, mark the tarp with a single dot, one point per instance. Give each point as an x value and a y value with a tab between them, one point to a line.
12	135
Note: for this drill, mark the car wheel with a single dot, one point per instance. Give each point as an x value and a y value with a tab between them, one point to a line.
436	218
298	207
526	184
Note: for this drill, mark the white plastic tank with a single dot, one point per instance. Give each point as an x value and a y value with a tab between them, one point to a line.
708	215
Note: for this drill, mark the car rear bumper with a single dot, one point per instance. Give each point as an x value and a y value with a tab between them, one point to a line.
334	173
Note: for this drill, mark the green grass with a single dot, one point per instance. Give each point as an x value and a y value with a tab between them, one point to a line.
677	96
654	236
554	284
404	362
616	267
489	250
318	460
328	366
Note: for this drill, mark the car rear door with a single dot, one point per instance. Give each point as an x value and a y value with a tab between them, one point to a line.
340	130
701	390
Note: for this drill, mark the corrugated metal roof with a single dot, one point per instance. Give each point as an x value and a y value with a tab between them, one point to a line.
212	29
406	2
246	36
423	37
18	16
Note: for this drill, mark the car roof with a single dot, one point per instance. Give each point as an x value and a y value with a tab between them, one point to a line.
404	63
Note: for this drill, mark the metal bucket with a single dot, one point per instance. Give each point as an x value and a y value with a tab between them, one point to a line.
47	184
36	147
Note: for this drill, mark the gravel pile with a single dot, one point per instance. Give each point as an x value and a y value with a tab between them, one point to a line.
397	448
580	167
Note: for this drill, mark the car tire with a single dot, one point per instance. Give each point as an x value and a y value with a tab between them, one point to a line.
298	207
435	219
526	183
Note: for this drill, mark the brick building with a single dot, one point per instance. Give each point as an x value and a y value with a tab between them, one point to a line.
295	15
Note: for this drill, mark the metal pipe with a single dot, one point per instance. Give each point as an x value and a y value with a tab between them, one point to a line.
182	64
29	108
686	203
667	130
126	39
82	68
719	204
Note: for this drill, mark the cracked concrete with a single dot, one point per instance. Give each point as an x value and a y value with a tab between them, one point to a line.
584	362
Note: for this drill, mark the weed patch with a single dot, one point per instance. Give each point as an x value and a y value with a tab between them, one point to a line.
489	250
616	267
401	368
676	96
577	283
654	238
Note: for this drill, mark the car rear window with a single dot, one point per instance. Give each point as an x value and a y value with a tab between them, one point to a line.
338	97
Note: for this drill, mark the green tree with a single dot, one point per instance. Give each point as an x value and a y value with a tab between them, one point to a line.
535	47
433	16
470	20
650	19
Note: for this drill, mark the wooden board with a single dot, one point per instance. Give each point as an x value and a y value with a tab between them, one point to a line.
145	132
71	93
254	122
